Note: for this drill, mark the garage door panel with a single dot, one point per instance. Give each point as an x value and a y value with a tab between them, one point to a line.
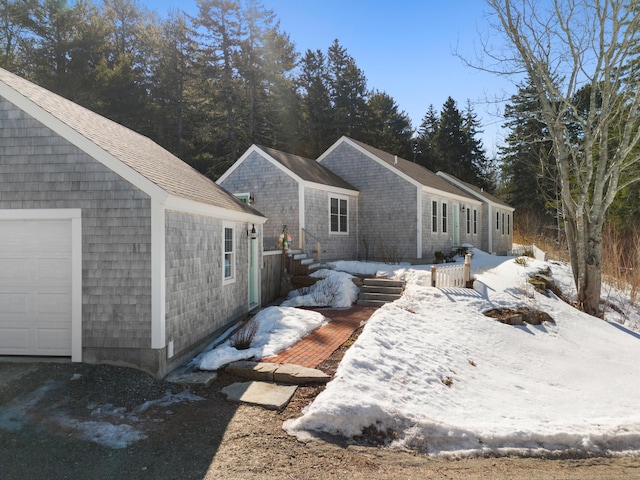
52	305
13	303
14	341
57	271
12	271
35	287
52	341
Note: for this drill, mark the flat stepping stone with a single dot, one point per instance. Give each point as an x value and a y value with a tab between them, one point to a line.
273	372
267	395
192	378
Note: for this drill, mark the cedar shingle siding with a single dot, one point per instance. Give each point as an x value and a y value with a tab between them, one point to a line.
41	170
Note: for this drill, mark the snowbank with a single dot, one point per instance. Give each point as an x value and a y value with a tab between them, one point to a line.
278	329
436	375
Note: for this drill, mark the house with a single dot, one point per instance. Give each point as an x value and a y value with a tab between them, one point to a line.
497	228
316	205
112	250
405	211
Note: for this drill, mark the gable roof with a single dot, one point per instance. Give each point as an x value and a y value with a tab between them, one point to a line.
420	174
299	168
307	169
139	153
475	191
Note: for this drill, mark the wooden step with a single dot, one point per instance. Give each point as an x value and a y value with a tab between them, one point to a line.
379	296
384	282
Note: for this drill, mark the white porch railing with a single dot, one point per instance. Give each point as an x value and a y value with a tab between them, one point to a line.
452	276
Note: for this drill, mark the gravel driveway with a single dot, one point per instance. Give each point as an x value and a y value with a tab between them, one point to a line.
76	421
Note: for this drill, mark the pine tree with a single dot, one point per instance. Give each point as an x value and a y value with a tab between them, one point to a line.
348	92
388	128
528	169
425	147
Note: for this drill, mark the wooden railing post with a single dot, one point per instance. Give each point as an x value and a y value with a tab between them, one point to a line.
433	275
467	269
319	252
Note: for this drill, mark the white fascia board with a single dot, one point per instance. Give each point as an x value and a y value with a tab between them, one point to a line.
471	191
232	168
82	142
185	205
332	189
373	157
451	196
331	149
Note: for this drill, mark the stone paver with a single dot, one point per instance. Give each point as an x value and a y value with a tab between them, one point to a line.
267	395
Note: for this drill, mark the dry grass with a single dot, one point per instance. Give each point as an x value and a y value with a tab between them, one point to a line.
620	252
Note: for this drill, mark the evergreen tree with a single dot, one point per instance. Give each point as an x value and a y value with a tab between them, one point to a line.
425	147
348	92
316	103
481	169
528	169
388	128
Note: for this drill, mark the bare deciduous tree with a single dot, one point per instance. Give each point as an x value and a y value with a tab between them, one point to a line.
582	58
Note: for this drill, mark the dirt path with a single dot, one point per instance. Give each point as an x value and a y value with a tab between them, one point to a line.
68	421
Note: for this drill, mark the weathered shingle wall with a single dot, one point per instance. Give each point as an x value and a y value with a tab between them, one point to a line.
197	302
502	227
334	246
276	196
39	169
387	204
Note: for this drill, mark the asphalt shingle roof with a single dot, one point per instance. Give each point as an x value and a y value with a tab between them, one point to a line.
307	169
419	173
136	151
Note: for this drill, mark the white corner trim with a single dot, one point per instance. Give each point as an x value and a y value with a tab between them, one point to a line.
301	213
419	224
158	274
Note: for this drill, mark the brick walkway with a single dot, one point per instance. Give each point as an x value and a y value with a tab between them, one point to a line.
316	347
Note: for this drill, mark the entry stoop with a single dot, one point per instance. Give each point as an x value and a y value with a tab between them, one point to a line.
376	292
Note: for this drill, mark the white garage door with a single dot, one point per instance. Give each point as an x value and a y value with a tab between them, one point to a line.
35	287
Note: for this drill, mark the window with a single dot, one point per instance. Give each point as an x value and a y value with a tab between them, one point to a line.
475	221
444	218
229	259
468	221
497	220
338	215
503	224
434	217
508	224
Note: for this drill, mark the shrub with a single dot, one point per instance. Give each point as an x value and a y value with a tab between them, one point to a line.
242	338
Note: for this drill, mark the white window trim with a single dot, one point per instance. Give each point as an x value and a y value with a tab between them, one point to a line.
339	197
234	246
444	217
435	219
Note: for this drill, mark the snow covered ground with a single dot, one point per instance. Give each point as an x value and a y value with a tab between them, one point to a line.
434	374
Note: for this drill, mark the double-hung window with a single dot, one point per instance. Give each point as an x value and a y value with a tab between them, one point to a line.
468	221
338	215
229	256
475	221
434	217
444	218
